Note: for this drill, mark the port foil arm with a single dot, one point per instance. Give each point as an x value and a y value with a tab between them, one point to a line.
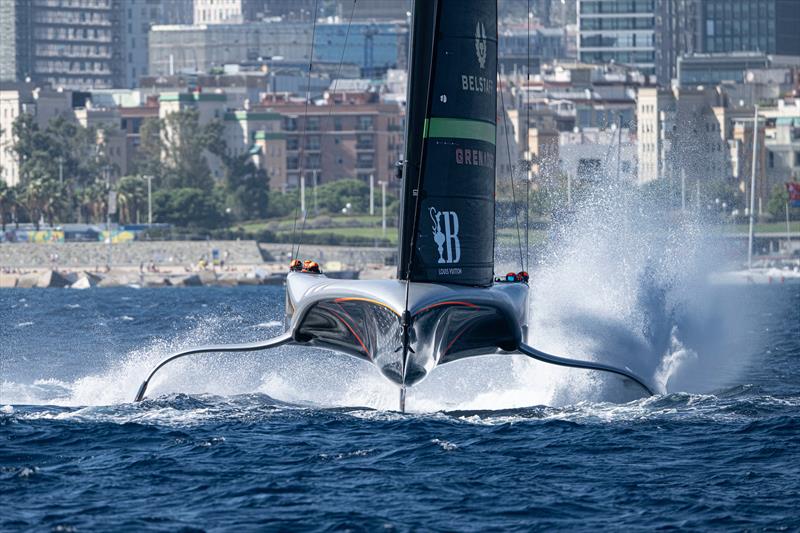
588	365
274	342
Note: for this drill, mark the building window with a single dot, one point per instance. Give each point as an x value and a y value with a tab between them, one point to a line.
312	142
365	123
365	160
312	161
365	142
312	124
797	159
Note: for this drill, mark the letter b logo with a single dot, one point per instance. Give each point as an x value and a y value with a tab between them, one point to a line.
445	235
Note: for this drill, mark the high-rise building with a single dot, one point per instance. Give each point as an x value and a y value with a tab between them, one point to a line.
81	44
686	27
768	26
678	25
137	17
74	45
618	31
15	42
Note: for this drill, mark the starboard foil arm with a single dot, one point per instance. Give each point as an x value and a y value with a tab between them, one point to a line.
588	365
274	342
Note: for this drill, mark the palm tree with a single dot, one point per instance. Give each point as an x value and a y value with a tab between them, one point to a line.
131	195
34	199
6	199
54	200
91	199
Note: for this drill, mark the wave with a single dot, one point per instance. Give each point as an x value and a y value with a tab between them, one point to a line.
746	407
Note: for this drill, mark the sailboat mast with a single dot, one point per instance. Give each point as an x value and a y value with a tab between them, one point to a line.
751	231
420	67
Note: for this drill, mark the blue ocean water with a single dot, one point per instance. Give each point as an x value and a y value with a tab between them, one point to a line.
305	440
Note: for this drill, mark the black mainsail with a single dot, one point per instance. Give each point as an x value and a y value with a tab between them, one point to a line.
447	226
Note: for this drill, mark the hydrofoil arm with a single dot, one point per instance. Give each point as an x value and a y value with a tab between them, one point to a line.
274	342
588	365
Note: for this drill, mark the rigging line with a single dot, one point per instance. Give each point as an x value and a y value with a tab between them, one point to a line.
527	266
420	170
513	193
341	59
619	143
405	319
305	125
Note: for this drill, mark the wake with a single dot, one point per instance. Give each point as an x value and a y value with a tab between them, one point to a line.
618	282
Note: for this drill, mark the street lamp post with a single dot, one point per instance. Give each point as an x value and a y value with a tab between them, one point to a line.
383	207
316	210
149	200
303	195
108	214
371	195
752	192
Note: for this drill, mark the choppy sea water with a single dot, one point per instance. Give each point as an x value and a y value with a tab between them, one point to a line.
304	440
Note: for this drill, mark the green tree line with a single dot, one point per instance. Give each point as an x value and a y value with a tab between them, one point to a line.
63	170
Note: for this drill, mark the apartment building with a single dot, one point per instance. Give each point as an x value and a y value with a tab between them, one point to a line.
72	44
683	133
221	11
655	113
347	140
81	44
782	141
259	134
618	31
43	104
352	135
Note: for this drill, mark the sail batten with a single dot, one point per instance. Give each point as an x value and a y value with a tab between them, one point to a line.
447	228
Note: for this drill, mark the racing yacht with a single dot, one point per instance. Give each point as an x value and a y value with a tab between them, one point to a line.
446	303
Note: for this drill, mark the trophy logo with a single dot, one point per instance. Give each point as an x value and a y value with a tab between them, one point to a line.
445	235
480	44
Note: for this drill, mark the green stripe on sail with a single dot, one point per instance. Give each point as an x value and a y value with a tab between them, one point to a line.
457	128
